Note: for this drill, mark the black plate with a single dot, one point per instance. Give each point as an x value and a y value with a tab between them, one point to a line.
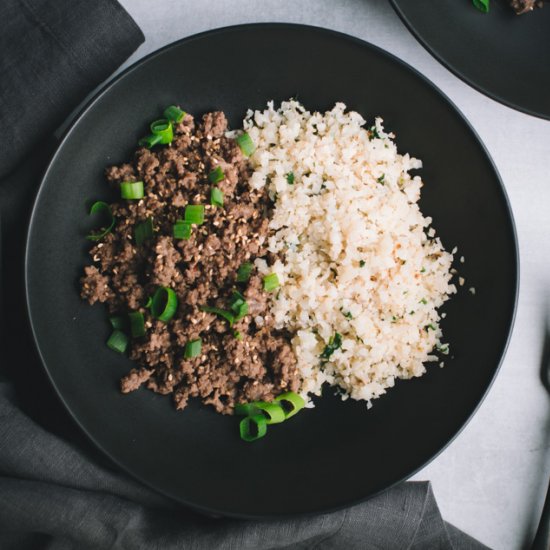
500	54
340	452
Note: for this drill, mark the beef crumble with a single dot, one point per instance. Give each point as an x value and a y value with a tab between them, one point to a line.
249	361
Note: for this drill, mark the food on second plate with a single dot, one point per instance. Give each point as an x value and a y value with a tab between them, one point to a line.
251	268
519	6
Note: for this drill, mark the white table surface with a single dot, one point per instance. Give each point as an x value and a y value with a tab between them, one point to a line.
491	480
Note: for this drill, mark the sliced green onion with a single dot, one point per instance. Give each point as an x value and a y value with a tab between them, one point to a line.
238	305
194	213
150	141
193	348
244	141
381	179
362	263
163	128
216	197
118	341
143	231
137	324
182	230
271	282
149	302
173	113
291	403
101	207
334	343
131	190
216	175
227	315
273	411
164	303
290	178
253	427
429	327
118	322
481	5
423	301
244	271
238	335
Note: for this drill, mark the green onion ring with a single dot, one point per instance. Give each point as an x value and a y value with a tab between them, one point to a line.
290	402
275	414
244	141
164	303
253	427
216	197
131	190
173	113
118	341
193	348
163	128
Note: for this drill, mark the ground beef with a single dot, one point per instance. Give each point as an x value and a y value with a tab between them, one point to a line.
238	364
525	6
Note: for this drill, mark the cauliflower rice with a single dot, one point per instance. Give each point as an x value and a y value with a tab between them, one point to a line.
361	270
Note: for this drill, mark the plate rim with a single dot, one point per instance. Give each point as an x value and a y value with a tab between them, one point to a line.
103	90
454	70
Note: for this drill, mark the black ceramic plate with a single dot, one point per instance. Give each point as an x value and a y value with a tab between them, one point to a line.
503	55
340	452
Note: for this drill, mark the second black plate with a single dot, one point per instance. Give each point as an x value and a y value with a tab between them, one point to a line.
503	55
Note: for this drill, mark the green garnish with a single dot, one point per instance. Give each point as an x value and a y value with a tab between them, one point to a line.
443	348
163	129
271	282
238	305
361	263
194	213
150	140
143	231
423	301
334	343
118	341
131	190
118	322
481	5
227	315
193	348
104	208
164	303
290	178
216	175
244	271
291	403
346	314
244	141
216	197
373	133
237	335
137	324
431	326
173	113
381	179
423	270
253	427
182	230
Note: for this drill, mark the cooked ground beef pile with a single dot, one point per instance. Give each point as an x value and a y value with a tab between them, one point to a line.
259	364
525	6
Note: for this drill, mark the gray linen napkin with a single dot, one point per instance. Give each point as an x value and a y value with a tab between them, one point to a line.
56	491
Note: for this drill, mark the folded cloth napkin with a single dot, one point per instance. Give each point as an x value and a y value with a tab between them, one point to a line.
56	490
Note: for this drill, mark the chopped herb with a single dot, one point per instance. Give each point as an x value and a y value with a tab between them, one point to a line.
334	343
423	301
443	348
423	270
361	263
216	197
182	230
216	175
290	178
137	324
381	179
411	312
194	213
346	314
271	282
173	113
429	327
245	143
227	315
373	133
244	271
118	341
237	335
238	305
193	348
